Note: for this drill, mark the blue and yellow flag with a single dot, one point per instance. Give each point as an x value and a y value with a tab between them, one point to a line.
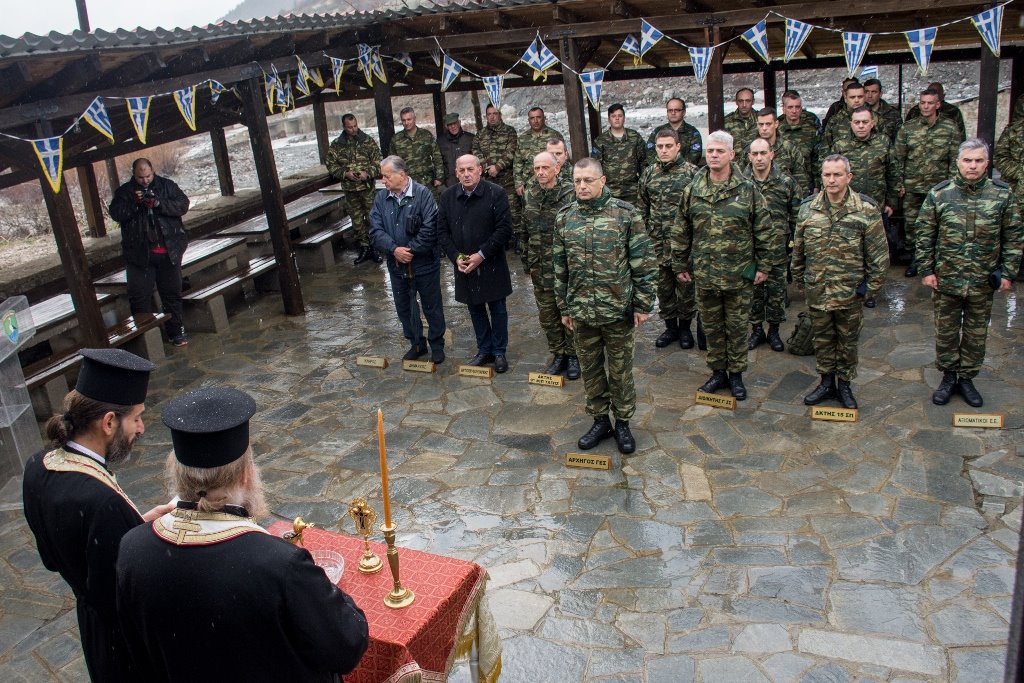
449	72
314	76
990	25
50	152
186	101
757	37
539	58
494	86
216	88
97	117
700	57
302	78
337	68
138	111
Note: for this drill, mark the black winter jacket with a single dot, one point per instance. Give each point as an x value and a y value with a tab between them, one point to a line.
134	219
480	222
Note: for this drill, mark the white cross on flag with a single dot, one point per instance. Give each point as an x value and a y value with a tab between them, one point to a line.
855	46
649	36
186	101
921	42
364	63
97	117
337	68
700	57
50	152
757	37
631	46
990	25
796	35
592	83
302	78
449	72
539	58
494	84
138	111
377	64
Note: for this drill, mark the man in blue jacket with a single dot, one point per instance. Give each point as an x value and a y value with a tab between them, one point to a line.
403	225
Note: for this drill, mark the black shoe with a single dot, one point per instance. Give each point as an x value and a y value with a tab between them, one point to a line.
598	432
572	369
685	337
947	387
823	392
558	365
670	334
414	352
869	302
756	337
970	394
845	392
718	380
481	359
364	255
702	341
500	363
376	256
774	340
437	356
911	270
624	438
739	392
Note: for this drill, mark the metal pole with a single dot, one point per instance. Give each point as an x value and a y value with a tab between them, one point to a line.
83	16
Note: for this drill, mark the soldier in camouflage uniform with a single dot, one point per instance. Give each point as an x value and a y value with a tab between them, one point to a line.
556	148
838	126
531	142
839	253
782	194
660	188
496	147
788	158
802	129
605	287
419	151
622	153
969	243
689	137
741	123
544	198
1009	158
892	120
354	159
723	236
926	150
838	104
946	110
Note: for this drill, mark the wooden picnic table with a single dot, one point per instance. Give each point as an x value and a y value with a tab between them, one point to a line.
204	258
56	318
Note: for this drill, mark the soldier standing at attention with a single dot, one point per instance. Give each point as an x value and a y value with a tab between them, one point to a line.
453	144
544	199
782	195
622	153
419	151
926	151
839	252
741	123
722	240
788	158
892	120
838	127
801	129
969	244
838	104
354	159
1009	158
660	188
946	110
690	142
556	148
532	142
496	147
605	288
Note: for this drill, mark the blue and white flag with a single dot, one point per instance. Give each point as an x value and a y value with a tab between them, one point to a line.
377	64
855	46
539	58
186	101
592	82
868	72
405	60
364	63
700	57
449	72
138	111
649	37
302	79
990	25
270	86
757	37
494	86
796	35
315	77
216	88
632	47
280	94
97	117
50	152
337	68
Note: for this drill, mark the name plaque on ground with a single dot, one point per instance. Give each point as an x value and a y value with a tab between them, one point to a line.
985	421
834	414
476	371
371	361
546	380
715	401
418	366
590	462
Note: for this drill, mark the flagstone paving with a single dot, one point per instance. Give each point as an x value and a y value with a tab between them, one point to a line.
753	545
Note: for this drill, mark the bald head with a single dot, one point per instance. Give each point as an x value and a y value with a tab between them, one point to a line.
545	168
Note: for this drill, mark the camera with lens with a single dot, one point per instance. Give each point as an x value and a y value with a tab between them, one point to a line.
148	194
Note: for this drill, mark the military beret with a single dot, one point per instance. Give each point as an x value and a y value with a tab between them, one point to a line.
451	118
209	427
113	376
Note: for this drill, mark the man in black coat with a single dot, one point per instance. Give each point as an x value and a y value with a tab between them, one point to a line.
75	508
474	224
453	144
149	208
205	593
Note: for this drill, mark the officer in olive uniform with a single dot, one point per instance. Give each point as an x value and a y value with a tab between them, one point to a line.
890	114
838	126
623	155
420	152
690	141
802	129
788	158
496	146
354	159
946	110
741	123
1009	157
531	142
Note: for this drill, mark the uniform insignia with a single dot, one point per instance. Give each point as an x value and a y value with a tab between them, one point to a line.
60	460
193	527
942	185
1000	183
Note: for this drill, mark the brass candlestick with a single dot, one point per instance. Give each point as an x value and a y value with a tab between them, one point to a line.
295	535
364	516
399	596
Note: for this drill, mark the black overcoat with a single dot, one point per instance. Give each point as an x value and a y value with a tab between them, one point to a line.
479	221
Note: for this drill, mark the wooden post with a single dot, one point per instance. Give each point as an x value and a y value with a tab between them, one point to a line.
113	182
385	115
323	141
770	96
574	104
594	118
478	116
255	116
988	97
222	161
1016	80
91	201
440	111
716	97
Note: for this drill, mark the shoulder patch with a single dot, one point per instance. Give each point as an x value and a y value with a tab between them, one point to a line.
1000	183
942	185
807	199
867	200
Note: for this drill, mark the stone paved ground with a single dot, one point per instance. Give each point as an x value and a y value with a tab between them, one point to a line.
746	546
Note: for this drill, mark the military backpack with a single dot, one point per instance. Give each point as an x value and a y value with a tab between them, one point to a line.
801	342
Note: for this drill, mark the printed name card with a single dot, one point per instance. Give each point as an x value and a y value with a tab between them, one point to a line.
715	401
590	462
834	414
476	371
418	366
541	379
371	362
994	421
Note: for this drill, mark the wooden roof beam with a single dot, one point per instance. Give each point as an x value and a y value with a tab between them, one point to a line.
236	53
14	80
187	62
621	8
71	78
279	47
139	68
561	15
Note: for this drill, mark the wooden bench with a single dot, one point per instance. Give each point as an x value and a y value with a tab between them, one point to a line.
205	309
315	253
214	255
300	213
56	321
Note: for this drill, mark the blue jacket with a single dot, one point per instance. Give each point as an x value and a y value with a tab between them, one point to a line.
390	223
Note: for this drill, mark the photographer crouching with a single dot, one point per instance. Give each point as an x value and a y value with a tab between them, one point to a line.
153	239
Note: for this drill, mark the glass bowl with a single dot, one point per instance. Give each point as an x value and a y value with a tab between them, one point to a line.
331	562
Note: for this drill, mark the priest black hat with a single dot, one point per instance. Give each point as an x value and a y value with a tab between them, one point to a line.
114	376
209	427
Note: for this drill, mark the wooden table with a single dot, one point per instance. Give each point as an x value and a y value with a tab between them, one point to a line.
55	318
421	641
204	258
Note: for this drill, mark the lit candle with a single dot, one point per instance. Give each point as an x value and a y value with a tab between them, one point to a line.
383	468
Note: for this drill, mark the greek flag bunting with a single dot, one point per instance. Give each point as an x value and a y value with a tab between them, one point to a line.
315	77
494	86
649	37
405	60
186	101
449	72
632	47
280	95
337	68
539	58
592	83
50	152
435	54
796	36
868	72
138	111
97	117
377	64
855	46
302	78
216	88
700	57
270	85
364	63
990	25
921	42
757	37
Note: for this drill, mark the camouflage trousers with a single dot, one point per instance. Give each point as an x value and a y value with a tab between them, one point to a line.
594	345
558	335
835	340
961	327
912	202
769	298
359	205
675	299
724	314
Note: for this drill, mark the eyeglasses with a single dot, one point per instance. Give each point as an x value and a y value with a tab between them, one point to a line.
584	181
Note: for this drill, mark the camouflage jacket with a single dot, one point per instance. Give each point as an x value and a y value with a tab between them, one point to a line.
838	129
497	145
692	145
359	153
531	145
1009	157
720	229
873	165
804	136
539	209
661	186
421	154
788	159
623	160
891	118
603	261
964	232
743	129
783	195
837	248
946	110
925	154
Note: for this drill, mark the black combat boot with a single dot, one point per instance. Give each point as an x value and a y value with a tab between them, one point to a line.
670	334
845	392
624	438
719	380
558	364
756	337
572	368
598	432
685	337
376	256
823	392
970	394
702	341
774	340
947	387
739	392
365	254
